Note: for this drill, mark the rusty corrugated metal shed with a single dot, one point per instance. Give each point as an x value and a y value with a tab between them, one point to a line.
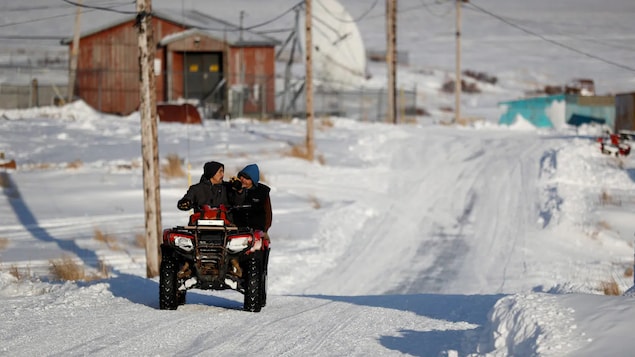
108	69
191	19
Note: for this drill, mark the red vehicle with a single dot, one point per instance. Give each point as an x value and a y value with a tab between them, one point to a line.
211	253
614	145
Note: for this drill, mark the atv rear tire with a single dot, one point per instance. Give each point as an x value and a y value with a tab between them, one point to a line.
263	289
263	281
169	298
254	287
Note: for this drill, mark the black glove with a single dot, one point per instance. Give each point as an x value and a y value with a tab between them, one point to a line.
235	183
184	204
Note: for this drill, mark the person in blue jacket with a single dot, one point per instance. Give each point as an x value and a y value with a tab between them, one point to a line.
255	195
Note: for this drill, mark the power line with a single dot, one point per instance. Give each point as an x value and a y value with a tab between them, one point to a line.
560	44
437	2
35	20
49	7
273	19
26	37
61	15
110	9
345	20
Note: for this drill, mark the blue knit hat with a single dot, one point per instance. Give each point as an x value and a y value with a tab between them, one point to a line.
251	172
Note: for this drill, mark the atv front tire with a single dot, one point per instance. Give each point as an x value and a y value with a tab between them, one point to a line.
169	298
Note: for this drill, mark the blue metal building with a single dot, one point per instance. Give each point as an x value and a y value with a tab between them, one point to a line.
556	110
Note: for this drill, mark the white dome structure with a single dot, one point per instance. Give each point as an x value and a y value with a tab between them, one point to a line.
339	56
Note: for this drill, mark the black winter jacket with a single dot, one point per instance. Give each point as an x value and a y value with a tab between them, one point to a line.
204	193
258	216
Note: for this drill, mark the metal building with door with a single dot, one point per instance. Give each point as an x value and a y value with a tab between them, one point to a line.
199	58
625	111
561	109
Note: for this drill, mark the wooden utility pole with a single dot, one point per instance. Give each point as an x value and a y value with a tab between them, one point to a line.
149	136
391	58
308	81
72	72
457	81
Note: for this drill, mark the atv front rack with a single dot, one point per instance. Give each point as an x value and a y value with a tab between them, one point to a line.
211	253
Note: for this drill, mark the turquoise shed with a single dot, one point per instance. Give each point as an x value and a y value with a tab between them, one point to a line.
555	111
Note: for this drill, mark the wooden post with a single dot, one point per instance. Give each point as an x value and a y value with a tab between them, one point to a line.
457	82
72	72
149	136
308	81
35	91
391	58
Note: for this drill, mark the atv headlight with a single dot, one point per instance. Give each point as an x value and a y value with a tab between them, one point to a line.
183	243
237	244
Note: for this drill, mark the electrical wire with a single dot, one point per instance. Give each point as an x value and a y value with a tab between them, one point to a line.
90	9
437	2
364	14
109	9
554	42
273	19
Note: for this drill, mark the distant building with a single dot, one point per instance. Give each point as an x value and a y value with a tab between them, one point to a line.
198	57
625	111
558	110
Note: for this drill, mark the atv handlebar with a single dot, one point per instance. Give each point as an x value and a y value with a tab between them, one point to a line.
223	207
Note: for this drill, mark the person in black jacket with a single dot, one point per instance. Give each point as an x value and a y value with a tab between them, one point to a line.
211	190
255	195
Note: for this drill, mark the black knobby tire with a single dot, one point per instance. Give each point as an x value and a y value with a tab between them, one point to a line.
168	289
263	281
263	289
180	296
253	286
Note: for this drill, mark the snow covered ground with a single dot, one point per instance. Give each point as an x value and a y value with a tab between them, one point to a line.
418	239
412	239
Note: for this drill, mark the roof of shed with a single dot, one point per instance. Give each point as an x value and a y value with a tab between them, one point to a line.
198	22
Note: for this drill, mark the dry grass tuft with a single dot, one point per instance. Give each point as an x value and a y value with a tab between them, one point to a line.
300	152
4	242
110	240
628	272
610	288
315	203
140	240
607	199
4	180
74	164
42	166
133	165
173	168
20	275
66	269
604	225
408	120
325	123
104	269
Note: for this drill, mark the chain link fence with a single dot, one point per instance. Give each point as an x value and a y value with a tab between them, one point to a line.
259	96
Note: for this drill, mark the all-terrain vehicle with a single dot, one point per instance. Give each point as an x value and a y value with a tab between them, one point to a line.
211	253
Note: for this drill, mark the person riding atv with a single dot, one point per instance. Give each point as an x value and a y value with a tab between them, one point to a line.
214	251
